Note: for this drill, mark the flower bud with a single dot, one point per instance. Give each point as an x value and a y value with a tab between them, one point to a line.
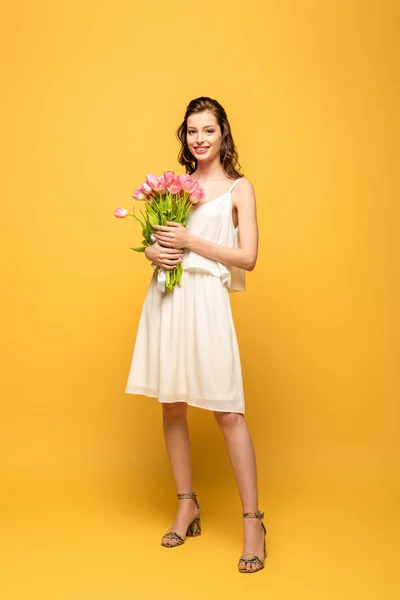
120	212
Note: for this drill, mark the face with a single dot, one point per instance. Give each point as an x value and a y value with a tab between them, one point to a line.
203	136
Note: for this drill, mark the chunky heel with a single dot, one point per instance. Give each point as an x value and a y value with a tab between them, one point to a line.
193	530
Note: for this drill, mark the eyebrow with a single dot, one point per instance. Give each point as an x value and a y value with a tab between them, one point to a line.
205	126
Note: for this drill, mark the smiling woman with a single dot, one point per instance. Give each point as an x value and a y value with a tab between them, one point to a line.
186	350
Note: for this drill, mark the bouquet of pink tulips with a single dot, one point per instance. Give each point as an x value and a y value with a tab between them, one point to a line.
168	197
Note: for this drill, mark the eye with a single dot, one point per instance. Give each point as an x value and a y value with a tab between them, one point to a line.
207	131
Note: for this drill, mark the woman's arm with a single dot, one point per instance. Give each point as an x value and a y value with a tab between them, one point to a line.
167	258
245	257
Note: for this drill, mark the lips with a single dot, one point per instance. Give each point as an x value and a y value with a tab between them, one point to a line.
200	150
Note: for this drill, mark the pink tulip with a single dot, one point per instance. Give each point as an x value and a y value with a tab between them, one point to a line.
187	183
174	187
160	184
152	180
145	188
196	195
120	212
138	195
169	177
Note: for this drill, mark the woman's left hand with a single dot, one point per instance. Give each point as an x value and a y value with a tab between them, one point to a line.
172	235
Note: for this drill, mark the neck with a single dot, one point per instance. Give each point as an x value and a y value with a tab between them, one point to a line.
208	171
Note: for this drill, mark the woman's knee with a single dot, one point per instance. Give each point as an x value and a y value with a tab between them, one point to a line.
227	420
174	410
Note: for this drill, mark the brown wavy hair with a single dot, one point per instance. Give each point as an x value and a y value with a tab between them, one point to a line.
228	153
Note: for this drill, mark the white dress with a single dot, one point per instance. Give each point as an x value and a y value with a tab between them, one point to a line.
186	348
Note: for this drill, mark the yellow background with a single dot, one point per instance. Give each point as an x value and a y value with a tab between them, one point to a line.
92	94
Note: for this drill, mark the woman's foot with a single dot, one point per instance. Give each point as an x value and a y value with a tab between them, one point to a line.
187	511
253	543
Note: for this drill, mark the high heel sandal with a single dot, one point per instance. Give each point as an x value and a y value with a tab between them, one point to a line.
251	558
193	530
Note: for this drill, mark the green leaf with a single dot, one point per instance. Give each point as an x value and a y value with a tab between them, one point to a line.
137	218
141	249
153	219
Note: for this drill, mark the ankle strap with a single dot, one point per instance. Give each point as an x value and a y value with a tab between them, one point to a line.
257	515
191	495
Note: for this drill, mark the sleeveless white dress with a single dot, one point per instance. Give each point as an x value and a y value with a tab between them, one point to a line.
186	349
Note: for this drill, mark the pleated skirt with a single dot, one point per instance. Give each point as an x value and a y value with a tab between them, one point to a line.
186	348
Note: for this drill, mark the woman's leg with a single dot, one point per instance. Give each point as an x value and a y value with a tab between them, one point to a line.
242	457
177	441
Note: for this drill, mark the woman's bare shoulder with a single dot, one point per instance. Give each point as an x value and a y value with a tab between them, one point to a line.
243	194
243	191
245	184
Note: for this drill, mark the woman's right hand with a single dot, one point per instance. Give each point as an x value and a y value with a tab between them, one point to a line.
167	258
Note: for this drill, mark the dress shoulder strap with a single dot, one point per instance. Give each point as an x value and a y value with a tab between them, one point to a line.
235	182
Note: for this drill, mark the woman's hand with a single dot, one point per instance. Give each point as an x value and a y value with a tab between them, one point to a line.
174	236
167	258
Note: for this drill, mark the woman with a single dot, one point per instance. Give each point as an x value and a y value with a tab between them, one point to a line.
186	350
